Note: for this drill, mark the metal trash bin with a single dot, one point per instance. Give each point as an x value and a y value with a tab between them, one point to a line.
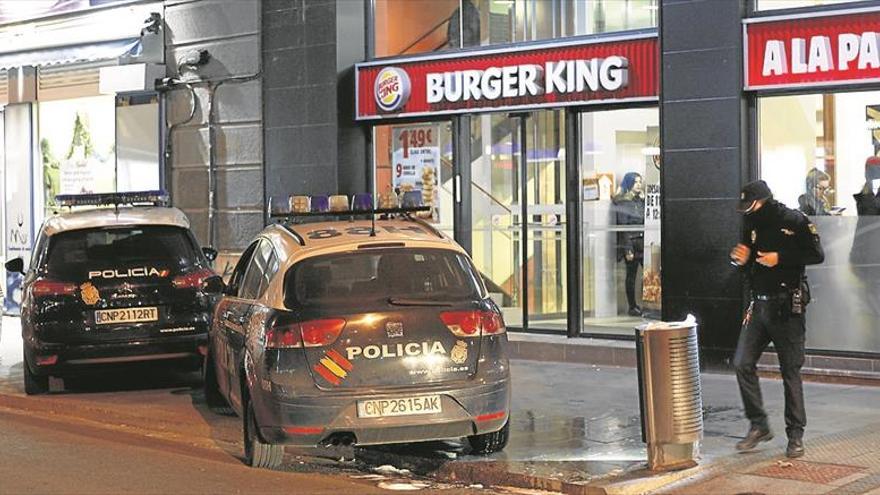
669	393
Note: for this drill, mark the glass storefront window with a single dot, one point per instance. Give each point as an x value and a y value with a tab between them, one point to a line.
417	157
434	25
819	153
497	175
791	4
77	146
620	173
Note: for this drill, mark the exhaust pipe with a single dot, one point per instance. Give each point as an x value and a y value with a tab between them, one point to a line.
339	439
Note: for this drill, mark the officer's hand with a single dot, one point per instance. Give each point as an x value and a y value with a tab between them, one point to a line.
630	256
740	254
768	259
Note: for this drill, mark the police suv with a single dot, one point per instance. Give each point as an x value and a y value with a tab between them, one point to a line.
114	285
373	329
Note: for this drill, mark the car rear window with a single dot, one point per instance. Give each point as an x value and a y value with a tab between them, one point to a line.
73	253
350	279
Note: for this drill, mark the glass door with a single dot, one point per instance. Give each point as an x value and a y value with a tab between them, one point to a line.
523	262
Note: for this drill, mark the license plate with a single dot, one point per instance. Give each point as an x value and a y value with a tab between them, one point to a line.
126	315
381	408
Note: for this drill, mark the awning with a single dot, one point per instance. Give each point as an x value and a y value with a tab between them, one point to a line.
92	52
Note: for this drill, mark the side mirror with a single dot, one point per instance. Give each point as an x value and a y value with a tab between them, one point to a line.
210	253
214	285
15	265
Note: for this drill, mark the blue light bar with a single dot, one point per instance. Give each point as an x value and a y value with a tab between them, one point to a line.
114	199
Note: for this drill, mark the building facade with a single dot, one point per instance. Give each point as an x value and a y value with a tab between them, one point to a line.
588	153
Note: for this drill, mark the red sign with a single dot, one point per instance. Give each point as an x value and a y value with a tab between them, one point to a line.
836	48
551	75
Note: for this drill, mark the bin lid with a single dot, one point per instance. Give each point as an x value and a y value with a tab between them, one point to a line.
689	322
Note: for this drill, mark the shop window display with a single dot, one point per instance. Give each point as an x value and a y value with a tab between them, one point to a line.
620	173
820	153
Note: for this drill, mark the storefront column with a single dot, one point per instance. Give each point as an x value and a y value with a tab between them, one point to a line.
704	142
524	214
461	184
573	242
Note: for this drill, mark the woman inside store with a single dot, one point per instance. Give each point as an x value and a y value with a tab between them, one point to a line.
815	200
629	208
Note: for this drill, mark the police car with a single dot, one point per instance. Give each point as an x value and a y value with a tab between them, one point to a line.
372	329
114	285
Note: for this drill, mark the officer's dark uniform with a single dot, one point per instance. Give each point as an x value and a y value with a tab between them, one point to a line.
776	228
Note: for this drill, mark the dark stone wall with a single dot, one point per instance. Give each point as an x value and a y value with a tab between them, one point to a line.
312	145
704	135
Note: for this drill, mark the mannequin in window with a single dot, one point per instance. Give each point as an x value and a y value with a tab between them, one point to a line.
469	15
629	208
814	201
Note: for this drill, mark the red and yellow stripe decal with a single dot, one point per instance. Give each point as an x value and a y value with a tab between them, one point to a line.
333	367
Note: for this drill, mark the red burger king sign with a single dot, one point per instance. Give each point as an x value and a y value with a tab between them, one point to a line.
575	72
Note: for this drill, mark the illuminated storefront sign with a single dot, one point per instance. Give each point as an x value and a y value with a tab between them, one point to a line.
571	73
834	48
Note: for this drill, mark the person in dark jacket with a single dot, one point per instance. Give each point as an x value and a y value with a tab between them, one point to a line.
777	243
815	200
864	256
629	207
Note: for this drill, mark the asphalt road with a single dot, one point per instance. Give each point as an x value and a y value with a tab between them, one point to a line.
41	459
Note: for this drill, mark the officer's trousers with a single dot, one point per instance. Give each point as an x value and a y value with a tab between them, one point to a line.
771	321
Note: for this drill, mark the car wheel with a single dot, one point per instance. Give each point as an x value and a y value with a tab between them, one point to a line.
257	453
213	397
34	384
488	443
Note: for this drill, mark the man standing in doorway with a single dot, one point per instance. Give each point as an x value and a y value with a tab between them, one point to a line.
777	244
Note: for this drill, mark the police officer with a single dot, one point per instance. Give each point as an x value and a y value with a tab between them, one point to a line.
777	243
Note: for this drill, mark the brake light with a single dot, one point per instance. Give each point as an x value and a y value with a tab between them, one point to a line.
193	280
45	287
473	323
314	333
317	333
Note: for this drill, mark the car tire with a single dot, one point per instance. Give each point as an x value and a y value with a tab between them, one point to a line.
34	384
258	453
488	443
213	397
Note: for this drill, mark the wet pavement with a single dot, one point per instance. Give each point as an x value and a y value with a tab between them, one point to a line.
573	425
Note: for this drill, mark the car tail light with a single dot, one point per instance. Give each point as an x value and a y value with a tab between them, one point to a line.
314	333
45	287
193	280
473	323
318	333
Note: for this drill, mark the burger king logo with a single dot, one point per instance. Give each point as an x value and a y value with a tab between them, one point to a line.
392	89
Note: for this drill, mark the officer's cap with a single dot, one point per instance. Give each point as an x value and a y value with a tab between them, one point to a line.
751	192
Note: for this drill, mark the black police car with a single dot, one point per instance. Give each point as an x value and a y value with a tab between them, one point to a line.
114	285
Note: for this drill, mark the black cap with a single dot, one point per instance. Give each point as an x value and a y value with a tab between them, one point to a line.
751	192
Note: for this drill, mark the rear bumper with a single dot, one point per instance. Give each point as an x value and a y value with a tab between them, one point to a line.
466	410
82	357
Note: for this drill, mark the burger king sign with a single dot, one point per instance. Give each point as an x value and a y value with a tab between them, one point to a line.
392	89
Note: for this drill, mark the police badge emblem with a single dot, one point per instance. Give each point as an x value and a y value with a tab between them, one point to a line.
459	352
90	294
394	329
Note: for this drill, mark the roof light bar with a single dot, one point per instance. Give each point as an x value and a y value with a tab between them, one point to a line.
113	199
360	204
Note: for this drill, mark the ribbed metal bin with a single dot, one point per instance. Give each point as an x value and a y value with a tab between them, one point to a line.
670	395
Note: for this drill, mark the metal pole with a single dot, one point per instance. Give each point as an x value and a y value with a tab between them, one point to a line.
573	223
524	217
461	180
